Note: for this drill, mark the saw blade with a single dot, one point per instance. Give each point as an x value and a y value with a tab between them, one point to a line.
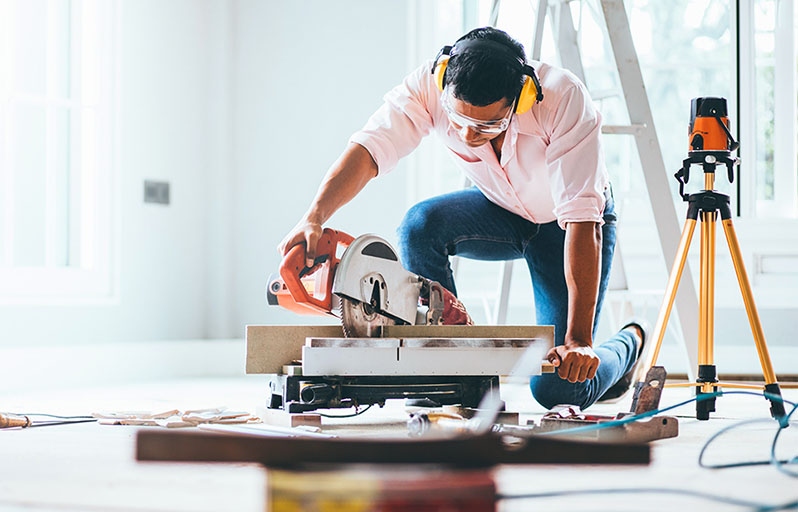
360	320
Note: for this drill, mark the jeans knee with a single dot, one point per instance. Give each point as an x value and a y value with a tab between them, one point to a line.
543	394
418	225
550	390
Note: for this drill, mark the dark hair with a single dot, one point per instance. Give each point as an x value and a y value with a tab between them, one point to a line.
481	75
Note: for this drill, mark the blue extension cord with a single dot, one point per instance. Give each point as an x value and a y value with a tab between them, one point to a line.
758	507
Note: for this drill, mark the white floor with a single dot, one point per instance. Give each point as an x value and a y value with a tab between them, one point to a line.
91	467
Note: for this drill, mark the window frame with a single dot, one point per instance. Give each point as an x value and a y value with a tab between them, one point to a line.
784	204
91	273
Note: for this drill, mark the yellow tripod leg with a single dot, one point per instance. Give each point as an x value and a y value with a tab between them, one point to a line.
707	373
771	385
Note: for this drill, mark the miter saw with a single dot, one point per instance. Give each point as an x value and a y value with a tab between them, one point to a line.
367	287
395	343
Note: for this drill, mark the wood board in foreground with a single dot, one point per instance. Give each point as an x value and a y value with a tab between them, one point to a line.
463	451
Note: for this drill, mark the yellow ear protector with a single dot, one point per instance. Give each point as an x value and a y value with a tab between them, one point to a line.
531	92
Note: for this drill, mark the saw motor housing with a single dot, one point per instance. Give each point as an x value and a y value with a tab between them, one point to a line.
369	274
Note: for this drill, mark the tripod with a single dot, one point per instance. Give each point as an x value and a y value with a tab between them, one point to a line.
706	205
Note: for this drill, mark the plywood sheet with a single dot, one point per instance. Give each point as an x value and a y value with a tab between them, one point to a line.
470	331
269	347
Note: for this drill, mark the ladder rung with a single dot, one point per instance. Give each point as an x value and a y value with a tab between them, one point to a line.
603	94
631	129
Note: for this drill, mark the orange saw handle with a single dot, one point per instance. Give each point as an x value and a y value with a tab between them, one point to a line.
293	272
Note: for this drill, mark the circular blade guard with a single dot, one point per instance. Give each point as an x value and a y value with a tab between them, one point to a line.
374	288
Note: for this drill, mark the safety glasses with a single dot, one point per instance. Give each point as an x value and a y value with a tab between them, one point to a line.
480	125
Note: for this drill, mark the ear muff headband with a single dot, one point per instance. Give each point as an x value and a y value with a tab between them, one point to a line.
531	91
439	66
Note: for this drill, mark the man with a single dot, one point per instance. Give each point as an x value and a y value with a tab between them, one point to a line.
541	193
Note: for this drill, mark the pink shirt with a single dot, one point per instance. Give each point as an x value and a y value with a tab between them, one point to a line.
551	168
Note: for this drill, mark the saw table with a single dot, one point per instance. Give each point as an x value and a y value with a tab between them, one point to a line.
316	367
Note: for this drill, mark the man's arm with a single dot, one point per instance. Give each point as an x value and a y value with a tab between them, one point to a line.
392	132
345	179
577	361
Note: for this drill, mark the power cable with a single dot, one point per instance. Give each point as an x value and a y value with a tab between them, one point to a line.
52	415
776	462
638	490
783	422
755	507
357	413
638	417
54	423
28	420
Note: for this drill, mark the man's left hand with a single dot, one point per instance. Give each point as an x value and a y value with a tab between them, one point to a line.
576	362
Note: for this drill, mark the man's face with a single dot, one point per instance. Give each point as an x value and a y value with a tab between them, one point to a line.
477	125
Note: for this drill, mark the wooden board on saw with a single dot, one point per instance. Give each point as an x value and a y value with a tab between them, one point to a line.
269	347
419	356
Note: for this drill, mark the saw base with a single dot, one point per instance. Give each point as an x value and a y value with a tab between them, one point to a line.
298	393
423	362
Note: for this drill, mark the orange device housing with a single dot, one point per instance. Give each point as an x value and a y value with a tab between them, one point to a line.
308	290
713	136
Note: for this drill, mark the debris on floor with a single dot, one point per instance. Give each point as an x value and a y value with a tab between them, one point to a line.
174	418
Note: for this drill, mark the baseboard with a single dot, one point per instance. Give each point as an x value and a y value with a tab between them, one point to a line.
45	367
786	381
734	360
77	365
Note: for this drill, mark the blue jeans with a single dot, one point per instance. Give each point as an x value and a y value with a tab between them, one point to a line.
465	223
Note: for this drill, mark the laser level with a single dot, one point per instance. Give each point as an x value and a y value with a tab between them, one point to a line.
711	144
709	126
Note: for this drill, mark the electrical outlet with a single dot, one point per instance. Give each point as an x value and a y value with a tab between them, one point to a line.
156	192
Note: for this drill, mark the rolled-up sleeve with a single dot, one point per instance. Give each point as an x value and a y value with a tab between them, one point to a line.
574	158
398	126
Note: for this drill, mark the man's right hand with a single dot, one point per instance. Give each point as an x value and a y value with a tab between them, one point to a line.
306	232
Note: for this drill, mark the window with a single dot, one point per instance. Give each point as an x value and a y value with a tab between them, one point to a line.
55	149
768	94
686	49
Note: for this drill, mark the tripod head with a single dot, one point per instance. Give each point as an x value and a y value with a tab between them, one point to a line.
711	142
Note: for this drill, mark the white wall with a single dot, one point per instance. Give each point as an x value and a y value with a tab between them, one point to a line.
241	106
167	117
307	74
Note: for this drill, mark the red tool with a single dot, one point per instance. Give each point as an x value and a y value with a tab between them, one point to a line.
308	290
362	282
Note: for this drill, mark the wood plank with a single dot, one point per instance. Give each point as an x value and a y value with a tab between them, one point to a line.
374	343
470	331
269	347
475	343
354	361
465	451
458	343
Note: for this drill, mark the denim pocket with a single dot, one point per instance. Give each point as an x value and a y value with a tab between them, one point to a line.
610	216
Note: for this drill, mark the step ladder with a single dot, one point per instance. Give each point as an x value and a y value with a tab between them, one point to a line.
641	127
